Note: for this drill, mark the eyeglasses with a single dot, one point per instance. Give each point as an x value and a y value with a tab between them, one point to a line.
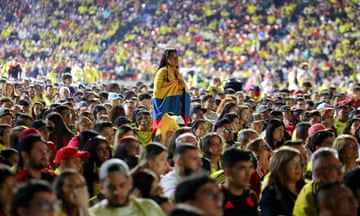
46	205
229	130
213	195
353	146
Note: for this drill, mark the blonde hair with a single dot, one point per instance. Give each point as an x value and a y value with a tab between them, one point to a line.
340	142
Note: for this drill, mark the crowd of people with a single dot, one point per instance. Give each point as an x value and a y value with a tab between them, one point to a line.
100	150
267	43
280	139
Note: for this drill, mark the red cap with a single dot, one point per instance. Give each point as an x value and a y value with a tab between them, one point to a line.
128	139
315	128
70	152
327	111
27	131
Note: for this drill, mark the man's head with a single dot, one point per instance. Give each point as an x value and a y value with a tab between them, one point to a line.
224	128
326	166
70	158
106	130
342	113
32	197
200	192
6	116
238	166
335	199
187	159
145	100
34	152
246	135
115	182
143	120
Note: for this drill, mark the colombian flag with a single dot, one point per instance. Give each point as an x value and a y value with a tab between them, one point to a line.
168	97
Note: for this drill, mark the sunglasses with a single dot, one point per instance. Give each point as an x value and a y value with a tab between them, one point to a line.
47	205
353	146
229	130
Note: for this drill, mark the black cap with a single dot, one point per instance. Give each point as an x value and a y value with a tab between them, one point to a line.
26	143
5	111
121	120
40	125
196	108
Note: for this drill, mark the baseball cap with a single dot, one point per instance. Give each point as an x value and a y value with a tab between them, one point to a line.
315	128
25	144
285	108
114	96
126	139
121	120
28	131
5	111
70	152
41	125
113	166
262	108
196	108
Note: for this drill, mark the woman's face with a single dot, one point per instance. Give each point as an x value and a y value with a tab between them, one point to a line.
278	134
173	59
350	151
201	131
236	124
102	151
50	123
326	143
9	90
294	169
234	109
159	164
354	127
216	147
37	108
245	115
74	186
264	155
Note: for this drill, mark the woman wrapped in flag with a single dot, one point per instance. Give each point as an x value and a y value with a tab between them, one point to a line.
171	94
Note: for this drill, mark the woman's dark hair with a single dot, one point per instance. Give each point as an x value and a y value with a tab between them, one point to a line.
196	124
226	109
318	138
151	151
187	189
165	56
14	135
231	116
348	125
61	131
59	184
172	143
26	192
84	136
206	143
121	153
271	126
116	111
89	171
143	180
296	116
5	172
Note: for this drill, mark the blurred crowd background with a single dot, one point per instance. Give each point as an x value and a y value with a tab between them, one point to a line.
256	41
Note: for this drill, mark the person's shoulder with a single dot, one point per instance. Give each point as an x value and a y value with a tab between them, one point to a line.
147	204
99	207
